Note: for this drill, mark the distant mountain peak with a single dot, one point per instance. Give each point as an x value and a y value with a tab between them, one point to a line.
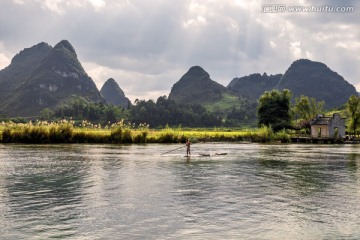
307	63
315	79
254	85
113	94
302	61
44	77
198	71
64	52
38	50
65	45
196	86
303	77
111	82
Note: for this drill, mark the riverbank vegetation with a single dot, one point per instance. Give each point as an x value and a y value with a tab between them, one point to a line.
67	131
277	120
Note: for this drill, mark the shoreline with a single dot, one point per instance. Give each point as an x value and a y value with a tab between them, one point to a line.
66	132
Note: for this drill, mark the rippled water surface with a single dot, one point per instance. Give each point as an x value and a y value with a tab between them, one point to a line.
134	192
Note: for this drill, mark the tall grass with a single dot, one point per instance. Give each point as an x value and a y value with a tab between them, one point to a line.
68	132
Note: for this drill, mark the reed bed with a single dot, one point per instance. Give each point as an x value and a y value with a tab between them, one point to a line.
66	131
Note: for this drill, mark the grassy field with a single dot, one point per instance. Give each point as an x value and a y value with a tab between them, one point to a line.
67	132
227	102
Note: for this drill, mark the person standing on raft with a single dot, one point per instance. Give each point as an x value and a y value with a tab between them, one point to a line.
187	144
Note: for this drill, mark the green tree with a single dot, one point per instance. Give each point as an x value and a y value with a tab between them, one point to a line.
274	109
47	114
353	109
112	114
307	108
166	112
78	104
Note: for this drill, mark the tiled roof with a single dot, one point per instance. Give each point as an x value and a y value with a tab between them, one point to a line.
320	121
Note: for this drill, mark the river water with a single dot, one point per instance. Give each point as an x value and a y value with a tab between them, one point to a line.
255	191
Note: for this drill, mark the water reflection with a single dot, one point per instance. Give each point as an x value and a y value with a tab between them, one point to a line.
353	159
307	169
44	193
125	192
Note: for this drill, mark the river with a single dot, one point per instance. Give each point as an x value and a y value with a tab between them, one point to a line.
255	191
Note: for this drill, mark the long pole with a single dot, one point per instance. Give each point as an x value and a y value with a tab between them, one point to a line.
172	150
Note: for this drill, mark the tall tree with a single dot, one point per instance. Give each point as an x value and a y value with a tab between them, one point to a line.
274	109
353	109
307	108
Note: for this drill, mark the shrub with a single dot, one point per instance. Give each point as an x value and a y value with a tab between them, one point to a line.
126	136
38	134
7	136
263	134
116	134
141	137
61	134
283	136
89	137
166	137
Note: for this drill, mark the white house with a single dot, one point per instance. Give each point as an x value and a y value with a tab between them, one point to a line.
327	127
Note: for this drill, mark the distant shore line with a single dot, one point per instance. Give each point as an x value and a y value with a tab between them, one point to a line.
67	132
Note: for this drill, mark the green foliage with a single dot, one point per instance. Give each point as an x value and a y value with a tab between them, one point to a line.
165	111
61	133
226	103
66	132
244	114
6	136
25	134
127	136
39	134
282	136
127	133
307	108
81	109
116	134
353	109
47	114
254	85
142	136
274	109
168	137
263	134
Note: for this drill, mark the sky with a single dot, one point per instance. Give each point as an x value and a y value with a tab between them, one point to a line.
147	46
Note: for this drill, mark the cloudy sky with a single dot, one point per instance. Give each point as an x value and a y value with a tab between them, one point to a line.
147	45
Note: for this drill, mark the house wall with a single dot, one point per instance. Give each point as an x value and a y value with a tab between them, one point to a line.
329	131
339	123
315	131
